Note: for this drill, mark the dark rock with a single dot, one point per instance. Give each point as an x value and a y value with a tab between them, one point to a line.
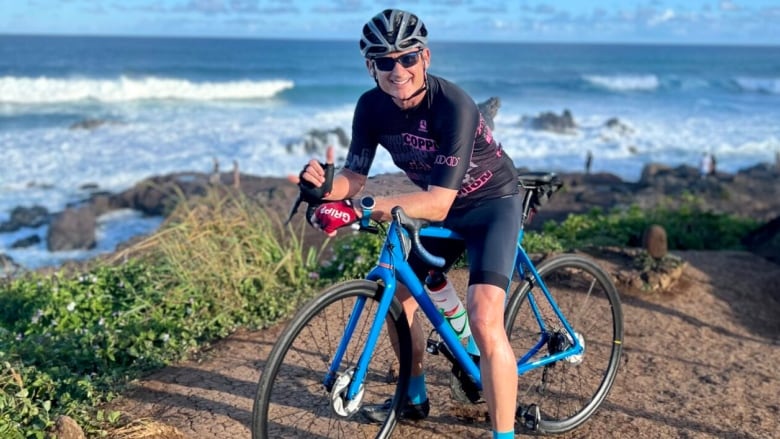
87	124
655	242
89	186
26	242
32	184
617	126
763	171
662	176
489	109
102	202
8	268
157	195
651	170
316	142
35	216
603	179
73	229
596	198
66	428
548	121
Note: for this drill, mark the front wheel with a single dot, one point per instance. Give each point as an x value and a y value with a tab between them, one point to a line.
561	396
295	399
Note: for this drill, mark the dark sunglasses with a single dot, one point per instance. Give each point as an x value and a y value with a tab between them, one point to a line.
387	63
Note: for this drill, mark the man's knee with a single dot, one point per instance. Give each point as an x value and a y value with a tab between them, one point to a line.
486	310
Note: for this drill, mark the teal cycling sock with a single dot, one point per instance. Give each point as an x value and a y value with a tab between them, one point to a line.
417	393
503	435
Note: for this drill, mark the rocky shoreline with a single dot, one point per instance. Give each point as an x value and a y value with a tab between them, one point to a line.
752	192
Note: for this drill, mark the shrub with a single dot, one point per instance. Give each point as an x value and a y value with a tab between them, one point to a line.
353	256
69	343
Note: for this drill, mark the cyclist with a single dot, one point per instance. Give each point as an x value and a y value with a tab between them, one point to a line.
435	133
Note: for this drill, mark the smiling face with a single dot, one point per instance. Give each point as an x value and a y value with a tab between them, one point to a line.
401	82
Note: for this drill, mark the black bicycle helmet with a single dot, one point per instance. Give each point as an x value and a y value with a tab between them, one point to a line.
392	30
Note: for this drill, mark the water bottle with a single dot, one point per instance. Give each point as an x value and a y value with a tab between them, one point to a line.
446	300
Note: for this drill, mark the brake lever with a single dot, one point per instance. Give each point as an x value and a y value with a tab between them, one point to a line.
294	208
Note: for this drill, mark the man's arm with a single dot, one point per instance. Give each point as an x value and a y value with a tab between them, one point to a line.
433	204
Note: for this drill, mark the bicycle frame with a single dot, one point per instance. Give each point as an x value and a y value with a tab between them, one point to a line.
392	267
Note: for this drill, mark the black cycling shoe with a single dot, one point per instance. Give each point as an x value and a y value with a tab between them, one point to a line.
378	413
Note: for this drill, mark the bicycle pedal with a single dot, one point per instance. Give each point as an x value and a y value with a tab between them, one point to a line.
528	417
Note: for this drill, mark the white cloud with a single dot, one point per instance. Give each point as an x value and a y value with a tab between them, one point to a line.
499	24
728	5
663	17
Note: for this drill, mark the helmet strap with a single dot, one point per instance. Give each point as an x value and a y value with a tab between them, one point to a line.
419	91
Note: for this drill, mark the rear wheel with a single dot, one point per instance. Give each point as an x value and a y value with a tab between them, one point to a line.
292	400
567	392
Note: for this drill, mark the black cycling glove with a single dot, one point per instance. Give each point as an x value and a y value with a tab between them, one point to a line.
312	194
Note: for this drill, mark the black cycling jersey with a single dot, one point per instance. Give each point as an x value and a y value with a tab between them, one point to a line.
444	142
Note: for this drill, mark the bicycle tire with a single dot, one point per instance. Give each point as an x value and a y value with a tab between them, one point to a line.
291	400
569	391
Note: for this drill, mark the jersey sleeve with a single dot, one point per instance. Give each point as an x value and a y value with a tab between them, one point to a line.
457	131
362	147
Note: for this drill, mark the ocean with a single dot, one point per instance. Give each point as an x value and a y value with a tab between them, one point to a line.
160	105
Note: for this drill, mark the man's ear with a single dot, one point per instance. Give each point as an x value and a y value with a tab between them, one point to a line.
370	67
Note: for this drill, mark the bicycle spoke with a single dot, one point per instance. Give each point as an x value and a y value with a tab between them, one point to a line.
568	391
292	400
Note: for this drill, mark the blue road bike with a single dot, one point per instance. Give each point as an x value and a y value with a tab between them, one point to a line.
563	319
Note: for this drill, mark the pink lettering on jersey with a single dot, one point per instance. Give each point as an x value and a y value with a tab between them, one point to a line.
419	143
423	126
450	160
486	128
475	184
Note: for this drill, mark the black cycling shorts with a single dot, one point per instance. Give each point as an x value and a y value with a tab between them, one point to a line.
490	232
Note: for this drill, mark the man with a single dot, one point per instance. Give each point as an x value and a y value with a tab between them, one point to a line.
434	132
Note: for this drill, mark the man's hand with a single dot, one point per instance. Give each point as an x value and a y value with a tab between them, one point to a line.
316	179
330	217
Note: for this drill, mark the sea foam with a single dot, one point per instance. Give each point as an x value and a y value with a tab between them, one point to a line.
44	90
759	85
624	82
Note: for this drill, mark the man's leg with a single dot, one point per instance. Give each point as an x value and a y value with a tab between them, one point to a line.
415	327
497	362
417	406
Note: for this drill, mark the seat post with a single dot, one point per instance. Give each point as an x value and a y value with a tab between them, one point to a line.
529	192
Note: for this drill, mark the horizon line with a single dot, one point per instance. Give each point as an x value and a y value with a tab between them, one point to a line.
441	40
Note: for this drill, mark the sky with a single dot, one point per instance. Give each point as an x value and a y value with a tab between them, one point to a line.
608	21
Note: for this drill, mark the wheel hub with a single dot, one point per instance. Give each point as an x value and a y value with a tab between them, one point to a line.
338	396
561	341
576	358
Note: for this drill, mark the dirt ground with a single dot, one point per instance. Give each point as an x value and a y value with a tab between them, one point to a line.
700	361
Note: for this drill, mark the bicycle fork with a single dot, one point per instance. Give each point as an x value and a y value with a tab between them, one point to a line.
346	388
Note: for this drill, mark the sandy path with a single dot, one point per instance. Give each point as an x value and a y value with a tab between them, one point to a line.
699	363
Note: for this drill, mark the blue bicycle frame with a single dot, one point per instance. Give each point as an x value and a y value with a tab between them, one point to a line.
392	267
